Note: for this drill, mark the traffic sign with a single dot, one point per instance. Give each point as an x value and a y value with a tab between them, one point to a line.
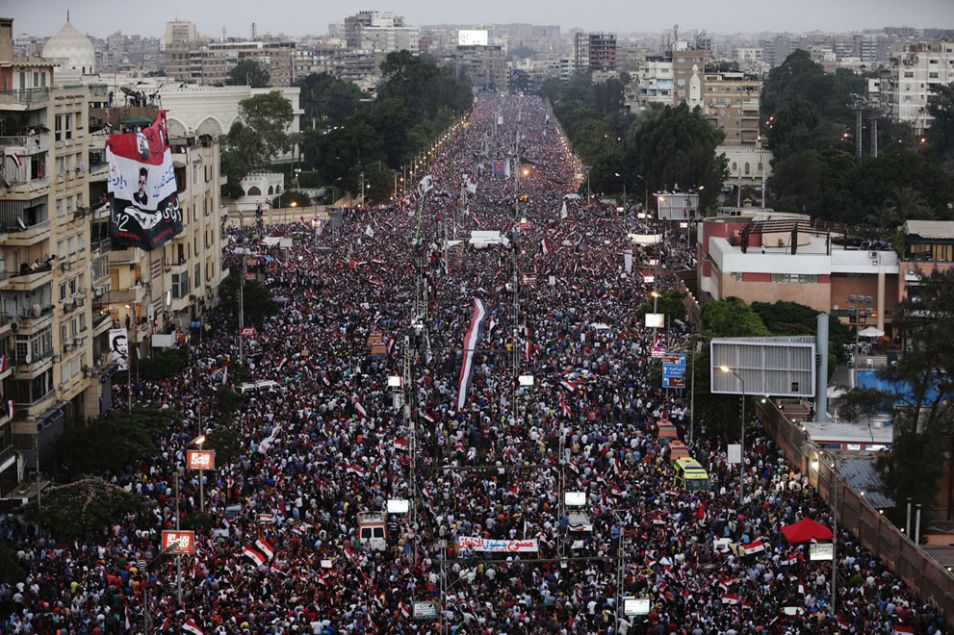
674	382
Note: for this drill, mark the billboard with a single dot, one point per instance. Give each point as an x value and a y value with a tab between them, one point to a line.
200	459
177	542
472	37
776	366
142	188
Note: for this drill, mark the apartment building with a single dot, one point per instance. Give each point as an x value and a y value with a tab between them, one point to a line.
49	260
907	84
595	51
212	62
731	102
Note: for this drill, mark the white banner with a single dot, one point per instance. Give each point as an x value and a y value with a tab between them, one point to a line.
475	543
646	239
628	260
119	348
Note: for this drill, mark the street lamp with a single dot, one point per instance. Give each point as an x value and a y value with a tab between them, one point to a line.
198	442
645	192
729	371
655	296
624	189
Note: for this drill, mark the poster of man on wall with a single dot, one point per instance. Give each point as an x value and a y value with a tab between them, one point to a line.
119	348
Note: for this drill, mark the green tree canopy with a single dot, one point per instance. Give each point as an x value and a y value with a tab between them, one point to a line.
113	442
328	101
940	135
82	509
253	141
258	300
248	73
676	147
731	317
269	115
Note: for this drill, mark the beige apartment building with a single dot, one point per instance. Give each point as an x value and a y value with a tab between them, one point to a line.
61	286
731	103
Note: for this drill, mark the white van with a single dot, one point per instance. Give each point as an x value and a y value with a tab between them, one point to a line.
372	533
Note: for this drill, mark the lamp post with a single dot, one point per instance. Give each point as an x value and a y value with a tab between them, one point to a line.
623	179
645	192
198	442
620	568
729	371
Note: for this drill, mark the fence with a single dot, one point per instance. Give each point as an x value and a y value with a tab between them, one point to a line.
876	533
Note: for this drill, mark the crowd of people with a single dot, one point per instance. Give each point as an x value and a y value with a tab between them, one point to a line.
330	440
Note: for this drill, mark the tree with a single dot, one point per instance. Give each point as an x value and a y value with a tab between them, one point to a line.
731	317
257	300
82	509
924	399
675	147
227	401
248	72
791	318
291	198
940	136
327	100
113	442
671	303
243	152
269	115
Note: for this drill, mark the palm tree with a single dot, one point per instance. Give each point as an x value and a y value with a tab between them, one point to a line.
910	204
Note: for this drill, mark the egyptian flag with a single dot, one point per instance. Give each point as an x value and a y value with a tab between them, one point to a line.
843	624
253	555
358	407
405	612
701	512
282	362
730	598
192	628
791	560
755	546
263	546
427	416
142	188
354	469
564	409
400	445
726	583
569	385
470	345
545	246
903	630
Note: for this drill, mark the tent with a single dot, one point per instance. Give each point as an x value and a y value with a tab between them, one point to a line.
806	530
871	332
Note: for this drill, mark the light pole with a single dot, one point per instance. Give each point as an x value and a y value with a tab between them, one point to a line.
645	192
623	179
620	569
198	442
727	370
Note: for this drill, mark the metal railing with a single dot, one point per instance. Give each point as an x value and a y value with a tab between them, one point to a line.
25	96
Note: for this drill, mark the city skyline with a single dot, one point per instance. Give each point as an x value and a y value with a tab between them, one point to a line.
103	17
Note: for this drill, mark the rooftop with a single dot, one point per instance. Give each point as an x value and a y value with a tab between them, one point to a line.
942	229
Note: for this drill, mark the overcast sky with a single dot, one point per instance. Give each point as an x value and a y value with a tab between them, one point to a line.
300	17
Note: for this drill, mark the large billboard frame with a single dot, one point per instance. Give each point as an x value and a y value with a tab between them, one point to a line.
772	366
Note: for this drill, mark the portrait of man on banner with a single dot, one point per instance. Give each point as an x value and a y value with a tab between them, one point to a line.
142	187
119	348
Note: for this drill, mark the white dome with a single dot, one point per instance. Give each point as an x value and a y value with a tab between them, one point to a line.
72	49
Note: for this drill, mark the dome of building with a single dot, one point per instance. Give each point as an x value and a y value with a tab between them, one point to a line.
72	49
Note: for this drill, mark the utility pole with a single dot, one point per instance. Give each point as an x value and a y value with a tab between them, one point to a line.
178	557
241	339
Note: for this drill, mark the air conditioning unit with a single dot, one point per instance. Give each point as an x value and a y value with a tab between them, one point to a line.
67	347
14	326
68	306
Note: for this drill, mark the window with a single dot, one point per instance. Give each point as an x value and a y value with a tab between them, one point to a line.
794	278
58	128
68	128
180	285
737	276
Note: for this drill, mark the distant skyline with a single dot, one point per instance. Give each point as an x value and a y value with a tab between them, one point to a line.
307	17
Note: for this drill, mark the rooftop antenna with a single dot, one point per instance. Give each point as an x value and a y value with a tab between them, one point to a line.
253	31
223	33
675	35
67	15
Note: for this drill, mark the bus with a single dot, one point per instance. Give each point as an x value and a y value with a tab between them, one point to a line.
690	475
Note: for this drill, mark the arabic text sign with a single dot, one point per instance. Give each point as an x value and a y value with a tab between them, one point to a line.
178	542
475	543
200	459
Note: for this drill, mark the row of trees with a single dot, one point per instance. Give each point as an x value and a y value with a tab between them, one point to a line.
351	135
811	127
664	148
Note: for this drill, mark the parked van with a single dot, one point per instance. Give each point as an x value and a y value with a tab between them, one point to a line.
372	532
690	475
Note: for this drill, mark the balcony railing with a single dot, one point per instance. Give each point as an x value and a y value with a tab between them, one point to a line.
29	143
25	96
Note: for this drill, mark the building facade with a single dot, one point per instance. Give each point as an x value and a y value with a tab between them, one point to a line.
907	85
731	103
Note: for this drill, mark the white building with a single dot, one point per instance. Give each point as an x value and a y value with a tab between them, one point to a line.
909	82
748	165
655	83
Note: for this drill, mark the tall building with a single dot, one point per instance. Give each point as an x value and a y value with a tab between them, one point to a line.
380	31
485	67
179	31
594	51
688	75
731	103
912	77
50	257
211	62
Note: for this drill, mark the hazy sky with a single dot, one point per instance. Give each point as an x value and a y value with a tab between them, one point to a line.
300	17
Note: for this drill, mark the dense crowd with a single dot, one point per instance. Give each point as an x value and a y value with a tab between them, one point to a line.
327	443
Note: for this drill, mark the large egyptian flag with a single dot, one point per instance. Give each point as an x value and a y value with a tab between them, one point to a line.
142	187
470	345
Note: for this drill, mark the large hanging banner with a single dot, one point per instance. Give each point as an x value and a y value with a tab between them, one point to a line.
119	348
470	345
142	187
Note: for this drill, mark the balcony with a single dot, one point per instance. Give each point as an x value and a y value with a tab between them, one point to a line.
28	186
29	280
24	236
25	97
36	366
102	247
25	145
128	256
101	211
132	295
102	322
30	321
